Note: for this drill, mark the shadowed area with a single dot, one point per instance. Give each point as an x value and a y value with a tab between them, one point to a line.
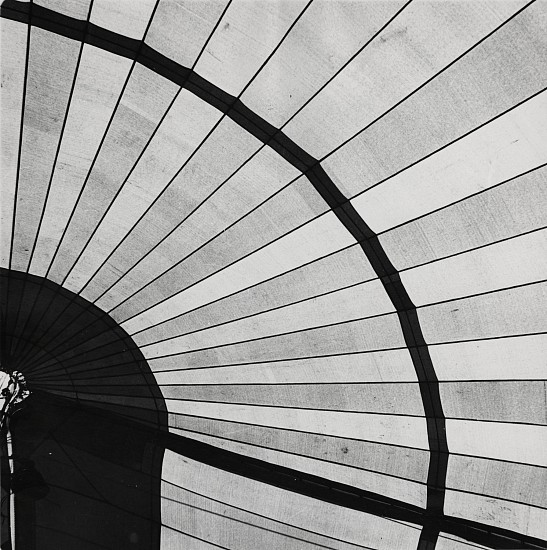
83	480
35	310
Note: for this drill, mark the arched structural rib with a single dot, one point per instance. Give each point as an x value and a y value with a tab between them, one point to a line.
346	213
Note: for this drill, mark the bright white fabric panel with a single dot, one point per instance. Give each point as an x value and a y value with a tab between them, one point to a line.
51	67
180	28
334	271
505	148
513	312
365	300
499	213
388	69
379	333
311	241
234	528
451	542
398	430
244	340
13	54
501	72
186	124
383	366
389	460
145	100
517	517
222	153
245	37
397	398
100	79
512	442
507	480
323	40
293	207
73	8
506	358
125	17
497	401
172	539
508	263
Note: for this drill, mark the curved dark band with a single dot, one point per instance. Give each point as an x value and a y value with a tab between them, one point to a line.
341	206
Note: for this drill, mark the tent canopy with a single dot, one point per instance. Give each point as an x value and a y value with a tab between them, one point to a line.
300	248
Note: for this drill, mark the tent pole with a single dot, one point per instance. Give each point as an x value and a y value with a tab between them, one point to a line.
11	493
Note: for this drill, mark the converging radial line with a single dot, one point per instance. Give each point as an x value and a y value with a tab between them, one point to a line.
410	310
348	438
66	376
310	383
186	84
90	391
37	368
293	230
121	187
437	259
309	298
41	348
288	304
57	151
99	391
215	436
309	221
106	131
141	47
149	208
84	31
51	372
61	135
30	7
54	336
367	502
127	42
209	241
187	433
300	160
127	47
327	293
387	231
313	457
286	359
438	150
284	451
255	285
246	341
